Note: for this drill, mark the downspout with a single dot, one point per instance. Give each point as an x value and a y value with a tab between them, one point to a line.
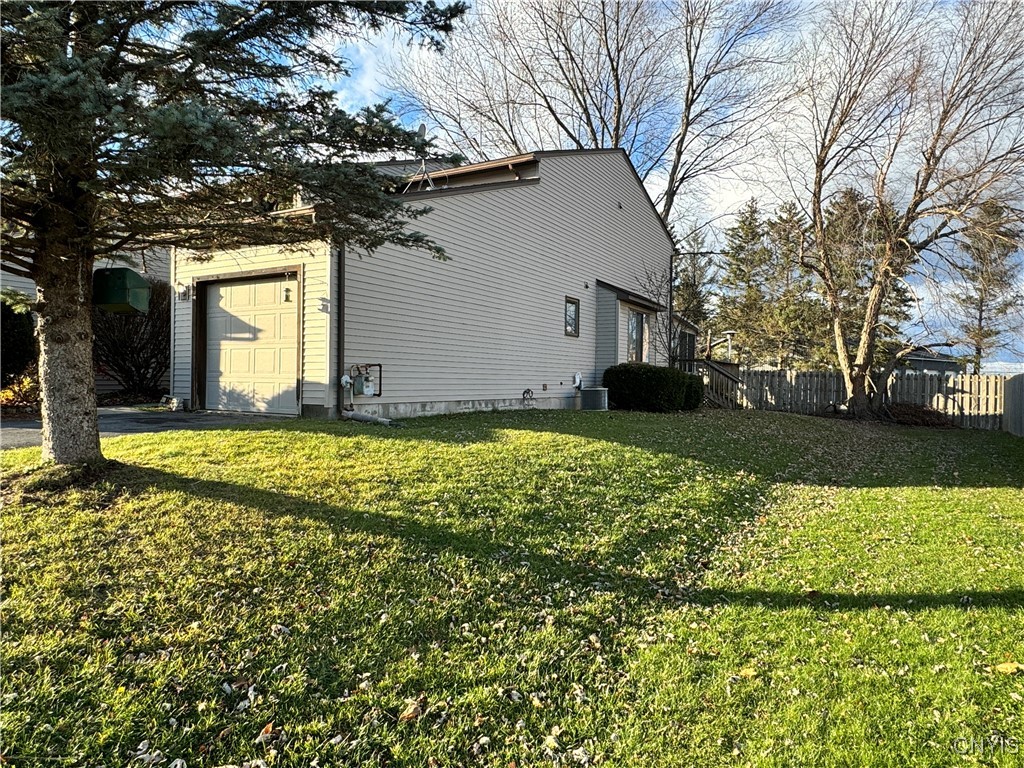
672	361
339	319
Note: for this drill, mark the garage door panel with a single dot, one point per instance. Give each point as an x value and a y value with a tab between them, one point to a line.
268	294
217	325
232	397
271	396
289	326
288	364
237	295
241	329
267	327
237	362
266	361
252	346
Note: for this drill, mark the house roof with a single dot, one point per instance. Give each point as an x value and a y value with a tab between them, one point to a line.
631	297
680	319
927	354
472	168
510	162
404	169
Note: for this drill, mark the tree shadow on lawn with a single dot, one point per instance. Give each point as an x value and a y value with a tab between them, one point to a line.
833	452
842	602
616	574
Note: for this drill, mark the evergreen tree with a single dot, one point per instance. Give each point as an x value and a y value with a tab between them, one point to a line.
796	319
743	300
989	296
131	125
695	273
767	297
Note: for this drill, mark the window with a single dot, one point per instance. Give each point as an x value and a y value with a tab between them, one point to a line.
635	341
572	317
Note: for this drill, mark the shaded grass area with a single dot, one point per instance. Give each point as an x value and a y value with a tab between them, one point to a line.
709	588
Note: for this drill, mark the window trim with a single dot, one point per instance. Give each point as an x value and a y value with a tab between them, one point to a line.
640	350
565	317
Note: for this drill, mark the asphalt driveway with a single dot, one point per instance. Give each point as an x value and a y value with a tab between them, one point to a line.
16	433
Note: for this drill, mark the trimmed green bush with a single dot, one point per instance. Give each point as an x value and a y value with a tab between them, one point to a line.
694	392
643	387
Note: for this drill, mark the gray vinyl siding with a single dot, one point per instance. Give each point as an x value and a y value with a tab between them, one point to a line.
489	323
335	274
607	329
316	309
18	283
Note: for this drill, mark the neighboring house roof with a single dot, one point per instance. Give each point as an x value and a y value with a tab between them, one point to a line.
930	355
928	360
631	297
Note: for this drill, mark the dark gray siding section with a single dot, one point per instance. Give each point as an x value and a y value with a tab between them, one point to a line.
607	331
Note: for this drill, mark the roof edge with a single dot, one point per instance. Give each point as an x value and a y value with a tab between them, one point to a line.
632	297
486	165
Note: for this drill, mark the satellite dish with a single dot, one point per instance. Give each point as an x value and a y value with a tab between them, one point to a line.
422	131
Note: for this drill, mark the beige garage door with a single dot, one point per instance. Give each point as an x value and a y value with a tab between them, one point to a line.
252	346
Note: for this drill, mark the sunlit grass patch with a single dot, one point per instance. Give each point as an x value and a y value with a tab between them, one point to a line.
708	588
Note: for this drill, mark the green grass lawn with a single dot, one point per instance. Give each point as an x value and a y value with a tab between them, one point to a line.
520	589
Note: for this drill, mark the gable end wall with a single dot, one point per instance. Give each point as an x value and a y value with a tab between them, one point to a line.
487	324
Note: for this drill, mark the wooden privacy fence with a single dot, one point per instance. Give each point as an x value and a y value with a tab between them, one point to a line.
807	392
1013	405
969	401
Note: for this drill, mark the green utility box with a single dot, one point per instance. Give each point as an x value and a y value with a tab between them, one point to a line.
120	291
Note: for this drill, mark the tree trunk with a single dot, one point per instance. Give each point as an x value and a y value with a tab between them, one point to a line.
858	402
67	382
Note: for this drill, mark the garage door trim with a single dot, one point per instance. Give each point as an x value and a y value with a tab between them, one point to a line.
200	290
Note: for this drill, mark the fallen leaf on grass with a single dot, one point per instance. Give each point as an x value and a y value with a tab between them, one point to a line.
748	672
411	712
1009	667
266	734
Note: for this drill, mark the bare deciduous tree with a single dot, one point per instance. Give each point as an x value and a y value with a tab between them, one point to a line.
681	86
921	106
135	350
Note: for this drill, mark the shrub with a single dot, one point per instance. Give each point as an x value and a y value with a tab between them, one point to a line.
135	350
21	391
18	340
694	392
916	415
643	387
